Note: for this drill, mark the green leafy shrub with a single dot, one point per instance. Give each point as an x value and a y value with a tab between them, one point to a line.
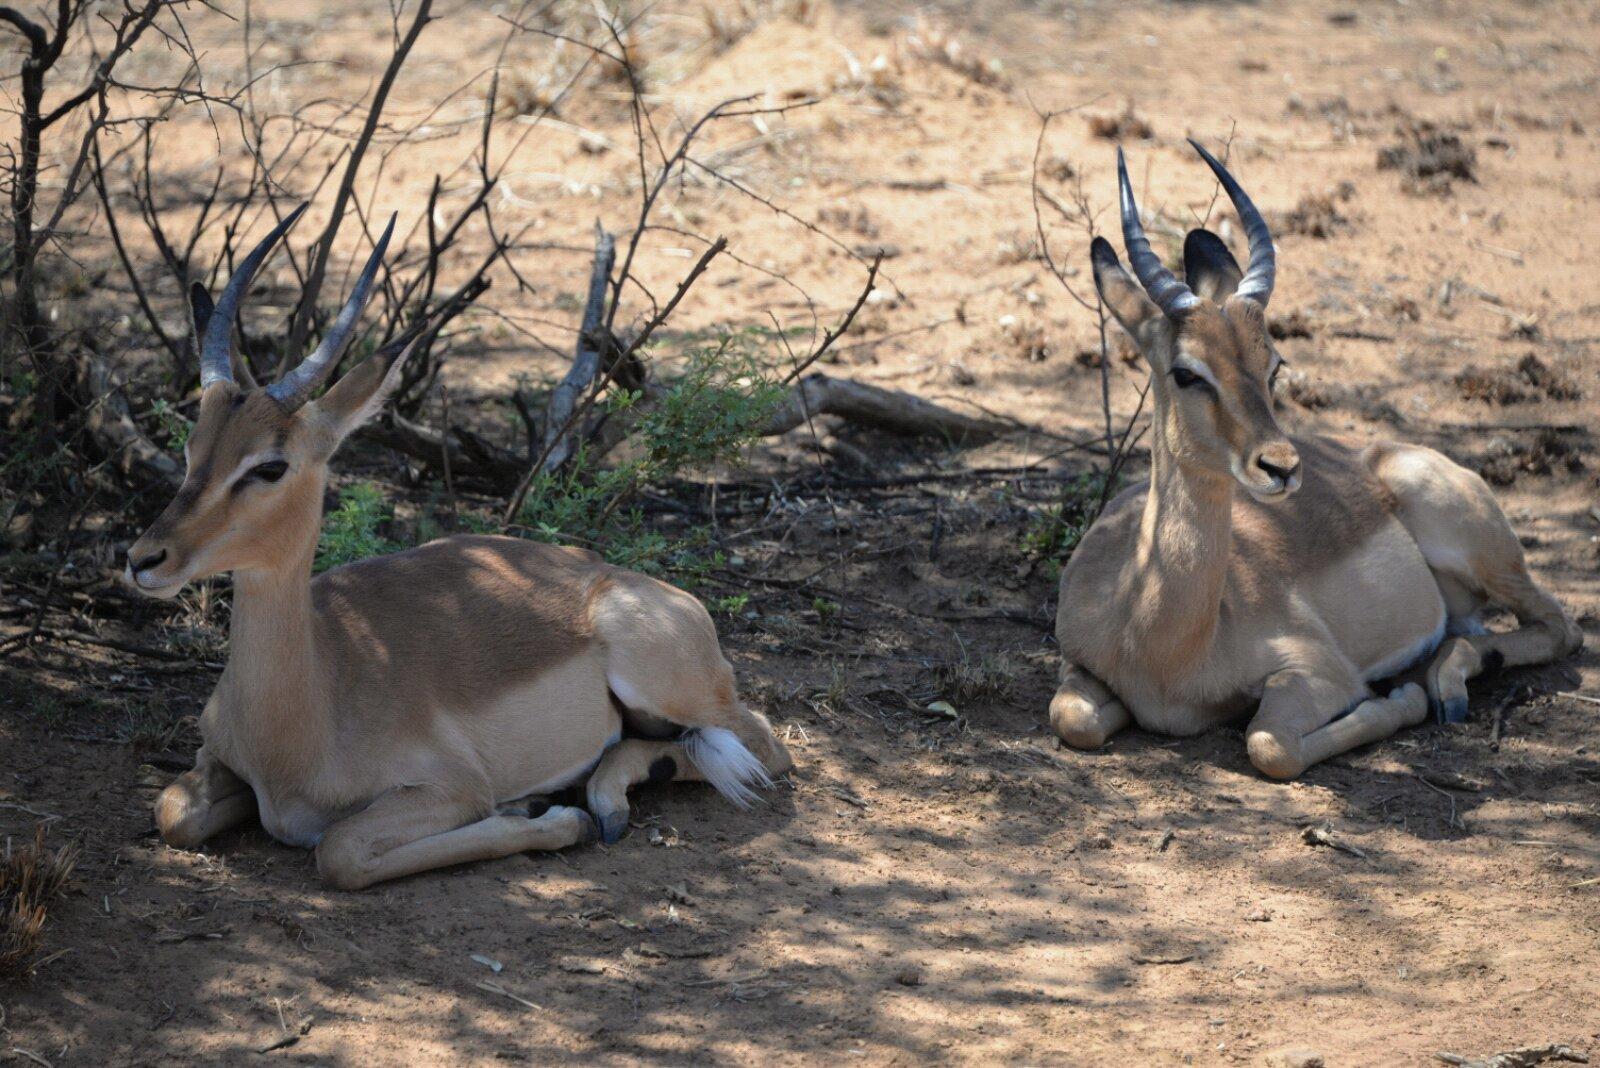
1053	533
353	531
710	414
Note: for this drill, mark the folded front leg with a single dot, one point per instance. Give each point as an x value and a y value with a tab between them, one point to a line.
1084	712
1306	718
418	828
203	801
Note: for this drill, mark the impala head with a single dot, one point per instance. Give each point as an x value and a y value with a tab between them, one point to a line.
258	457
1212	364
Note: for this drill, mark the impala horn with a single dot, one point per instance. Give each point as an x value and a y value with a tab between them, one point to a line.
296	387
1169	294
216	344
1257	282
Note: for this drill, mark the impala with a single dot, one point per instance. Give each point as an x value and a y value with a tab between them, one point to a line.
1208	592
393	714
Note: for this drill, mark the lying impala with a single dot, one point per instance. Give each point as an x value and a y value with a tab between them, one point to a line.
1206	593
391	713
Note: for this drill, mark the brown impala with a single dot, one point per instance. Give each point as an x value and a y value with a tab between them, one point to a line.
1256	572
390	713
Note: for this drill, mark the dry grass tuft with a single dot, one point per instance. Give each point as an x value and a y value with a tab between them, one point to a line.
1531	379
1550	452
1318	215
968	679
1429	159
32	878
1124	127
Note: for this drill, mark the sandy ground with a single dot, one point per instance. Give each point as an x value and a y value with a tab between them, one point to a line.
921	889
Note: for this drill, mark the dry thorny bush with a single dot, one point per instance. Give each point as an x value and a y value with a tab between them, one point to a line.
98	381
95	403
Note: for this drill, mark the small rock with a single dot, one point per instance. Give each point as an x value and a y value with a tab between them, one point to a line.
1295	1057
910	975
581	966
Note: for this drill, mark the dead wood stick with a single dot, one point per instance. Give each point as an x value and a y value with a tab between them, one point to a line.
622	363
1497	723
113	429
559	426
300	323
110	643
1523	1057
426	444
883	409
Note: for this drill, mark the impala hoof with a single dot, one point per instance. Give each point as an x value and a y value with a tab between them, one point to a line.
591	830
613	825
1453	710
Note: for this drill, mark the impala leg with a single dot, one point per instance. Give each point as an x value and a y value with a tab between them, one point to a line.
204	801
1544	633
1465	537
1084	712
628	764
1455	663
1299	722
415	828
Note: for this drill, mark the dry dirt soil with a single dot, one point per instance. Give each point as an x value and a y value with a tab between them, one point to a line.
928	889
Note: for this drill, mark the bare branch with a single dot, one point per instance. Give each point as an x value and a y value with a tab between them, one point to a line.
300	326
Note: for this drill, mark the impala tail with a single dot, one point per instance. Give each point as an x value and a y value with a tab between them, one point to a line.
727	764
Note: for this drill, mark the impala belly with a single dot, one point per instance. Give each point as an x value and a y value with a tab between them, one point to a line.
1381	604
292	821
547	733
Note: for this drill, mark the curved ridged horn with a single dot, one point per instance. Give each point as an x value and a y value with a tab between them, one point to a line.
296	387
1257	282
216	345
1169	294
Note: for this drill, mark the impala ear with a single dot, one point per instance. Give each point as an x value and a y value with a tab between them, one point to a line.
1124	297
361	393
1209	266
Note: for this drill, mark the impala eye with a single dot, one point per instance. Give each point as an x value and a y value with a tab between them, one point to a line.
270	471
1185	377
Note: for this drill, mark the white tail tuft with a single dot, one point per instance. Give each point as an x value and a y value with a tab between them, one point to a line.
726	763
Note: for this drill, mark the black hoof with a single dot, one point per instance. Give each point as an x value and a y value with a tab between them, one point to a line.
1454	710
613	826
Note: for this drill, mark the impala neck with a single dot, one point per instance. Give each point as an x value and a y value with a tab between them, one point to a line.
272	661
1181	563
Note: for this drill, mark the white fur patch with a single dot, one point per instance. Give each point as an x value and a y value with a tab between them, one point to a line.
719	755
1405	658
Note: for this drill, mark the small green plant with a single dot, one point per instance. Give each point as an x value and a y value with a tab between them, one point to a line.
352	531
731	605
824	608
1054	532
173	422
708	415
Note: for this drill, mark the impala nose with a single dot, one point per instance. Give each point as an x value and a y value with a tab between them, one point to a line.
155	559
1280	462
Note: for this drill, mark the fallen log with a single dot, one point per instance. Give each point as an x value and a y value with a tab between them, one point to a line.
889	410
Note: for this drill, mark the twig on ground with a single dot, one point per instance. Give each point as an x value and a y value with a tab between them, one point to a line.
1524	1057
1324	836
